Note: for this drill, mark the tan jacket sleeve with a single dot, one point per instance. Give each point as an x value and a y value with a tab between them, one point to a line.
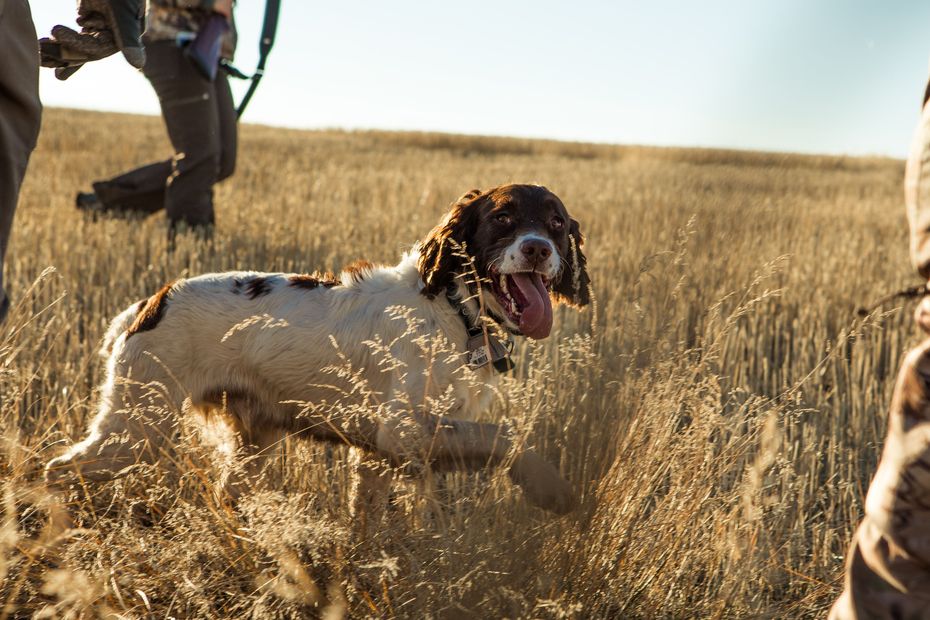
917	192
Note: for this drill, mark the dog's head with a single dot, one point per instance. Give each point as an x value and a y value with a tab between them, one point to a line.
525	250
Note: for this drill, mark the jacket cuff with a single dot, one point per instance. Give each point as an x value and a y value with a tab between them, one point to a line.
920	256
206	5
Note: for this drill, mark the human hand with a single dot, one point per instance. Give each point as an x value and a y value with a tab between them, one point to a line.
106	26
922	314
223	7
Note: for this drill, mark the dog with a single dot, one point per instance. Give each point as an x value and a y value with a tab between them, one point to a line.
393	360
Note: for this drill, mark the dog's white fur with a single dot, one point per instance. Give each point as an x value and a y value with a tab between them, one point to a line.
300	362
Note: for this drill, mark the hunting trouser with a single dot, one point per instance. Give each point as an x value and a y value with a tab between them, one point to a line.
20	113
201	122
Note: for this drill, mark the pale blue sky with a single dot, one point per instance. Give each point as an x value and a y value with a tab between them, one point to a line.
832	76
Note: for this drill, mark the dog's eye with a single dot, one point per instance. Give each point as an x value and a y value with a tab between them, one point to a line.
503	219
557	223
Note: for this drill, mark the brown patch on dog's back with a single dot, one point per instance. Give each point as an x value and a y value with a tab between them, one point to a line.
257	286
357	268
314	280
150	311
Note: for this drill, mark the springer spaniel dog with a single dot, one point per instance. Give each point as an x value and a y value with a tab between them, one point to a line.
393	360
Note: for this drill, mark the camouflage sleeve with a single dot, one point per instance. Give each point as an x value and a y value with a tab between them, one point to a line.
917	193
888	564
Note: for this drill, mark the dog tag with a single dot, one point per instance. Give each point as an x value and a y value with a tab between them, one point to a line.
478	355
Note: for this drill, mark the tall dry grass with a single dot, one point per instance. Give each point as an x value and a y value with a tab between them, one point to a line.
719	409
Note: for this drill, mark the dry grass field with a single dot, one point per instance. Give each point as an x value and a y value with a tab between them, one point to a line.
720	409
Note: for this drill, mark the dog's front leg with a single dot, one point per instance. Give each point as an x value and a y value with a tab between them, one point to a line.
444	444
369	492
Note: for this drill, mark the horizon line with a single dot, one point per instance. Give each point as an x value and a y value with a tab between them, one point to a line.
566	141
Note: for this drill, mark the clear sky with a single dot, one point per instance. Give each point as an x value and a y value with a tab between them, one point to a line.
828	76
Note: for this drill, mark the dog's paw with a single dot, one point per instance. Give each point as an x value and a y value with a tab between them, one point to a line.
58	472
542	484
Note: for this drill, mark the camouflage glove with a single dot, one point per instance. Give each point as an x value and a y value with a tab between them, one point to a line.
106	26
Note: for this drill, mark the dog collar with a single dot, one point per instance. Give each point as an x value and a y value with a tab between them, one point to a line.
482	347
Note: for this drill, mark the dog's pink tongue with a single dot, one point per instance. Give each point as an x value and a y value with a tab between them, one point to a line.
536	319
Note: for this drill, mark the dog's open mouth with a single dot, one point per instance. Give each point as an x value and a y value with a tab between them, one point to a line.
524	296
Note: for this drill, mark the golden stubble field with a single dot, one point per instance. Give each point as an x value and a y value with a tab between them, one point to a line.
720	410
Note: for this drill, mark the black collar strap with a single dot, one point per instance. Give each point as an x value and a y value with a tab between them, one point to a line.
480	340
459	306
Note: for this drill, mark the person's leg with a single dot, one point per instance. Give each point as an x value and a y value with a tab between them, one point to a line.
190	111
140	191
228	124
144	189
20	113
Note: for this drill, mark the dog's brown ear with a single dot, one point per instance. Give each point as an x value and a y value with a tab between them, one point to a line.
573	288
441	253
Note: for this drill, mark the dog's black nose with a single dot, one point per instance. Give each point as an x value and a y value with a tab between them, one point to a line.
536	249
